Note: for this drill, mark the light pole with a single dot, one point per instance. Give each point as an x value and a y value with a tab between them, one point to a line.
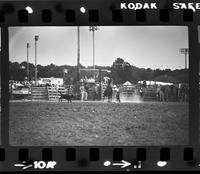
78	52
36	39
78	59
93	29
28	46
184	51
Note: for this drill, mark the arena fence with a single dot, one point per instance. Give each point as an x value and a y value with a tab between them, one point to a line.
39	93
150	94
54	92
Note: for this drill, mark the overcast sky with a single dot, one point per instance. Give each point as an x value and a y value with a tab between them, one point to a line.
142	46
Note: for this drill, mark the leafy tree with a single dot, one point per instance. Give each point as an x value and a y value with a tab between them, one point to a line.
121	71
165	78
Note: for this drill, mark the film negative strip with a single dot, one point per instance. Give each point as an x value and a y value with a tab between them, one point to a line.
100	85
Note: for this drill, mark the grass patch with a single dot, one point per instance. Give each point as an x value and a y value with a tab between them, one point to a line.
103	124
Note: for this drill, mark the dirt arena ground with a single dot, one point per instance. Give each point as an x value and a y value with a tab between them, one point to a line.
97	123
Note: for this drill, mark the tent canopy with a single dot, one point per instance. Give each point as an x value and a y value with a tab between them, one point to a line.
127	83
155	83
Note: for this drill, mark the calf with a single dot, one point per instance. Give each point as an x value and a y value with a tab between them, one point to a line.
67	97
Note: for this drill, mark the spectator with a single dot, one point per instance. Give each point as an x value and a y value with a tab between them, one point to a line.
162	93
166	92
118	95
141	92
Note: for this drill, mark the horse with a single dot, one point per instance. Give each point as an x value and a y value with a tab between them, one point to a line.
108	93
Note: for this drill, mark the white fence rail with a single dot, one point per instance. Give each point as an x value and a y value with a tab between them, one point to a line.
54	92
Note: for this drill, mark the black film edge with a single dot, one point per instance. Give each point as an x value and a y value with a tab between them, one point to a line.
104	101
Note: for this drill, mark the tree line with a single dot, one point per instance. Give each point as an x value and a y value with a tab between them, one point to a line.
120	71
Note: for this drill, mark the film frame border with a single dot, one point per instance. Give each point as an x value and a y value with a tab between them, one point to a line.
181	157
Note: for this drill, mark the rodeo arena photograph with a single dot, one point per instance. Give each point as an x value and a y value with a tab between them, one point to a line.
98	85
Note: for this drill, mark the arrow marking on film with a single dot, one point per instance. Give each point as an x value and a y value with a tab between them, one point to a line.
26	167
23	166
123	164
19	165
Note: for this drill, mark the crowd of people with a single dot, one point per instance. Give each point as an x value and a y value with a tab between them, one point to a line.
164	93
14	84
173	93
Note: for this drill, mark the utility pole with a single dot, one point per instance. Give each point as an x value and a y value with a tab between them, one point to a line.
93	29
100	79
28	46
36	39
78	58
184	51
78	52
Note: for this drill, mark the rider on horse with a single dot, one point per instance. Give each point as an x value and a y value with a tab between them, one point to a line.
108	92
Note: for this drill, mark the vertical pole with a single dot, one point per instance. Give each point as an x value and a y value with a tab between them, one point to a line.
99	84
93	54
78	57
35	62
185	59
28	61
